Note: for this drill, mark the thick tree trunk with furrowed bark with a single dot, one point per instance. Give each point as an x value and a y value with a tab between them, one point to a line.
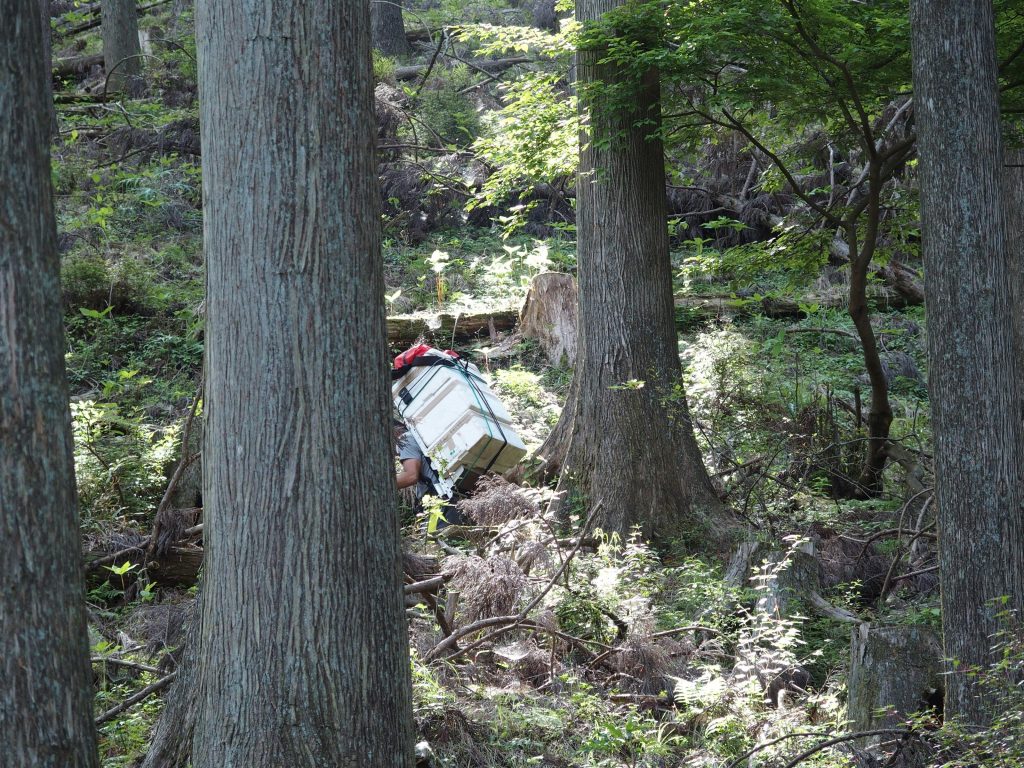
303	651
45	680
121	50
388	28
632	446
973	378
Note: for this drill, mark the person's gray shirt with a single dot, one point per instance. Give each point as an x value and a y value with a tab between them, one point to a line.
408	449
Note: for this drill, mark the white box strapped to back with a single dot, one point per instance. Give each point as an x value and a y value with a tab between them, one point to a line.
455	418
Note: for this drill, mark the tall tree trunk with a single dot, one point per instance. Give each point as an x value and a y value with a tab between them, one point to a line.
46	689
632	446
388	28
51	109
303	647
1013	210
122	58
880	409
973	383
544	15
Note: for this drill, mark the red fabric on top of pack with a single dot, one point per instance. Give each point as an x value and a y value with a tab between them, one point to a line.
411	354
418	351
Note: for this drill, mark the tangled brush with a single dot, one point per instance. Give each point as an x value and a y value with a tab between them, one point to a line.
491	587
643	663
496	501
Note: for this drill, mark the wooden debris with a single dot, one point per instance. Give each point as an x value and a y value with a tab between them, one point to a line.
549	316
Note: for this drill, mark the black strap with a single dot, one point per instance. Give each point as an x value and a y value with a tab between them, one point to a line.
423	361
494	418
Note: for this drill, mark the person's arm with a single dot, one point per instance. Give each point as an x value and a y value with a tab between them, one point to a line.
410	474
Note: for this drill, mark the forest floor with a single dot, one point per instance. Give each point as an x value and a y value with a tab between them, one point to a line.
637	656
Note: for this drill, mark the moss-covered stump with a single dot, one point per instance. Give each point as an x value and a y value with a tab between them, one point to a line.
894	672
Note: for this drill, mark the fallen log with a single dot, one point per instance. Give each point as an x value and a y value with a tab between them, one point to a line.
490	66
408	328
94	10
722	304
77	65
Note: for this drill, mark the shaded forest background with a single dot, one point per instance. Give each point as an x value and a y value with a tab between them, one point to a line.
795	238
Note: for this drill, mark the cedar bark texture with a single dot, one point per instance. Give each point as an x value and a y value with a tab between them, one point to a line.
632	447
120	28
303	652
973	379
47	38
46	688
388	28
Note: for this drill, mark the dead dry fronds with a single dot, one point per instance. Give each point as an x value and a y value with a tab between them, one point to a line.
644	665
495	501
491	587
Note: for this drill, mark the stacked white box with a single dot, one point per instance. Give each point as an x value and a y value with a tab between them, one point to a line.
456	419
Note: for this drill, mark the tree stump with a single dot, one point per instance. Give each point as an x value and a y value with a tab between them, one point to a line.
894	671
549	316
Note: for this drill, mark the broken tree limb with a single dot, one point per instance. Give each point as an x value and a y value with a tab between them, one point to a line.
490	66
85	26
125	663
426	586
145	693
911	466
841	739
720	304
825	608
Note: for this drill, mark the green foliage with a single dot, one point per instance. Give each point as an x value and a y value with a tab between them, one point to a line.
383	67
120	462
533	139
124	740
632	736
448	113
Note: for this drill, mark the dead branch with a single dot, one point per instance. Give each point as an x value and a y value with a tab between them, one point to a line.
69	31
155	545
134	699
825	608
408	328
426	586
489	66
742	758
125	663
841	739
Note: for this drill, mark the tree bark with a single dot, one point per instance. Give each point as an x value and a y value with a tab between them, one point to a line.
46	694
171	744
544	15
1013	210
51	110
894	672
303	649
121	47
973	378
880	409
632	445
388	28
